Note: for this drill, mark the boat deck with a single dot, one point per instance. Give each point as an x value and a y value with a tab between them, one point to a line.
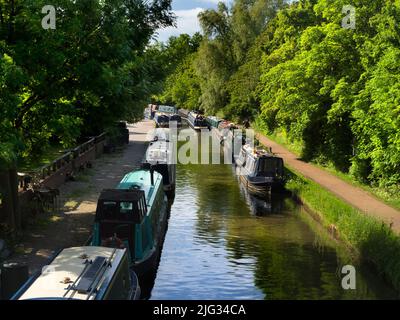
66	268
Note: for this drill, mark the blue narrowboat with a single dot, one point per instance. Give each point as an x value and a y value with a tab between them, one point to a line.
197	121
134	216
260	171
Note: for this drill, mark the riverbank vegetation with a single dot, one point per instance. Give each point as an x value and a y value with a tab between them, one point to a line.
58	87
373	241
292	68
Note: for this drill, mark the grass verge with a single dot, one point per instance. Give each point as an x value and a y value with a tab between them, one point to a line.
374	241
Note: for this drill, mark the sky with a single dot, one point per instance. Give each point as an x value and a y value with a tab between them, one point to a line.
186	12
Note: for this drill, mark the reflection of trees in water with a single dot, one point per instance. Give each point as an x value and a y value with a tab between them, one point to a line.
217	198
290	261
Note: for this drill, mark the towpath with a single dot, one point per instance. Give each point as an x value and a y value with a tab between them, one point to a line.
72	225
356	197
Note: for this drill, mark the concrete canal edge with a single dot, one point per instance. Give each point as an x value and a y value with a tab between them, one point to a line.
372	241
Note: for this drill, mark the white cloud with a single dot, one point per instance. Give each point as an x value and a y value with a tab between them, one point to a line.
216	1
187	22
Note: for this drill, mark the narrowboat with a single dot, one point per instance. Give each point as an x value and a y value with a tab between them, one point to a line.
260	171
160	157
134	216
261	207
168	110
213	122
161	120
176	118
197	121
84	273
225	131
159	134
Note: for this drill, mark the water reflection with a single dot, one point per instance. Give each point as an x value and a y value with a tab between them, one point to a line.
223	243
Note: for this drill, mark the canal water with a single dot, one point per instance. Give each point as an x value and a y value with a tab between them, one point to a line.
222	243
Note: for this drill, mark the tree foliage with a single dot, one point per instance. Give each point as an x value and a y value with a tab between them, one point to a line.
93	69
295	69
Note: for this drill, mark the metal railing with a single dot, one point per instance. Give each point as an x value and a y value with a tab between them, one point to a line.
37	176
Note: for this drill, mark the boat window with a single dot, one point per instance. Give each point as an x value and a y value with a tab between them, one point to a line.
126	207
110	209
270	166
131	212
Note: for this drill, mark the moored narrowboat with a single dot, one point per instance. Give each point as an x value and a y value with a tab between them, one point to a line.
83	273
197	121
160	157
134	216
161	120
213	122
261	172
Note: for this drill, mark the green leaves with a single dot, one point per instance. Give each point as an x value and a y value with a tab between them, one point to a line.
76	80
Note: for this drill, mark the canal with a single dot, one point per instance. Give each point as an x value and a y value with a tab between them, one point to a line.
222	243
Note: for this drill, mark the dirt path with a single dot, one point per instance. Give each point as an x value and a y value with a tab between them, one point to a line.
72	225
357	197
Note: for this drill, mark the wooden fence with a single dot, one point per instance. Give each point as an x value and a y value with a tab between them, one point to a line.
53	175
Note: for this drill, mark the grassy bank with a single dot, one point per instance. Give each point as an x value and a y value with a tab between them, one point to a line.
373	241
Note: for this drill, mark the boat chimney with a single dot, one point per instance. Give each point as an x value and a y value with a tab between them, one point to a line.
152	175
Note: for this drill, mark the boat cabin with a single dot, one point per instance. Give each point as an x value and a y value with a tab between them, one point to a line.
159	157
197	121
261	171
214	122
162	120
177	118
264	165
84	273
159	134
133	217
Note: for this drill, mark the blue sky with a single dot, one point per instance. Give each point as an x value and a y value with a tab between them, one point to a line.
187	11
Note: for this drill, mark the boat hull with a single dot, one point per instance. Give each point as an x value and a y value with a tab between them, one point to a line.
262	189
146	269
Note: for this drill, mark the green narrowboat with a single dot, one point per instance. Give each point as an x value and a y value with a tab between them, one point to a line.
134	216
213	121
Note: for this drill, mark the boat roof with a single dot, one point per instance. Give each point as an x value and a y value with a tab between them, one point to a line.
158	152
167	109
130	195
215	118
142	180
258	152
194	113
161	116
160	134
69	265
